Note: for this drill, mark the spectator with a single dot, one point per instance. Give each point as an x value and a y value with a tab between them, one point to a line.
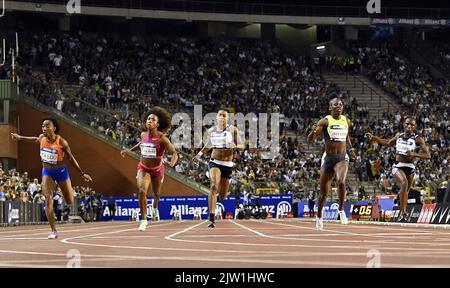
311	203
112	207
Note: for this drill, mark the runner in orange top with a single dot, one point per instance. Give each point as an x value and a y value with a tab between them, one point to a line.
52	150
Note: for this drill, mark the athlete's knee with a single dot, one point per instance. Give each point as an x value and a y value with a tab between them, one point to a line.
142	191
214	188
403	182
340	183
221	196
49	203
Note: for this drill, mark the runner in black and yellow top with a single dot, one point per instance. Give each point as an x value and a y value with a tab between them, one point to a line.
222	139
407	146
335	128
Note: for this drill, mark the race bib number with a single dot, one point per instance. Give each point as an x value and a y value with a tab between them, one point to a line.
221	140
338	133
148	151
49	155
403	149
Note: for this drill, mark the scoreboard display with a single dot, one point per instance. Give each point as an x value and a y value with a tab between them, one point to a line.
362	212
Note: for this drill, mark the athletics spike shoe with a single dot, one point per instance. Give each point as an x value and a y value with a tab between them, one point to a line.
343	217
53	235
143	225
403	218
319	224
211	224
155	214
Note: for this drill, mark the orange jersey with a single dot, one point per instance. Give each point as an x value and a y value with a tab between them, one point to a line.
51	153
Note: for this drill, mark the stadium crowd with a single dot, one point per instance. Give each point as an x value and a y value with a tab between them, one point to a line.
16	186
124	77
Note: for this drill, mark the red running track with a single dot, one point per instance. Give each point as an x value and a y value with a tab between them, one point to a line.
233	244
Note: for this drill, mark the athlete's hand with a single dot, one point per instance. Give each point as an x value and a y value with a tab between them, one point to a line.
369	136
86	177
410	153
168	163
196	158
124	152
352	155
15	136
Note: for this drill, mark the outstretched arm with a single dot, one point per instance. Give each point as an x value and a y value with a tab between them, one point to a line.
205	148
127	151
18	137
349	142
171	150
73	161
239	143
424	152
385	142
317	128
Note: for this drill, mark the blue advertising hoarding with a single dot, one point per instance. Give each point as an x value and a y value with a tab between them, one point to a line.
126	207
330	210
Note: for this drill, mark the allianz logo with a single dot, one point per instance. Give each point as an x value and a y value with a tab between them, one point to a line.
284	206
186	210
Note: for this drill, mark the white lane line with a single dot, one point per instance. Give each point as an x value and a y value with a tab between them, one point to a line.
182	231
24	238
377	243
232	261
65	240
122	237
292	245
24	230
388	225
70	241
61	231
362	235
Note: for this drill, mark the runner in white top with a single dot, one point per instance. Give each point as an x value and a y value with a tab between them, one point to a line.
222	139
408	146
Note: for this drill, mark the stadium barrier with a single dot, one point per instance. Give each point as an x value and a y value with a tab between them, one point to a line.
13	213
441	214
384	211
188	206
1	212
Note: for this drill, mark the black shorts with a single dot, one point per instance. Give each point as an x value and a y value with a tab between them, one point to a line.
329	161
225	171
407	170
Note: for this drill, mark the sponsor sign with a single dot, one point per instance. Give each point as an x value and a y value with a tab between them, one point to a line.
11	212
328	209
395	213
426	213
441	214
413	212
410	21
188	206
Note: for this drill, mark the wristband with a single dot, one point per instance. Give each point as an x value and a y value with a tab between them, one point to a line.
200	154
